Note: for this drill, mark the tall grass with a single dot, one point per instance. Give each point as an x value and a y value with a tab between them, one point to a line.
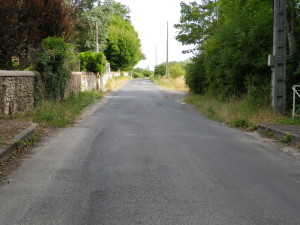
114	83
62	114
236	112
170	83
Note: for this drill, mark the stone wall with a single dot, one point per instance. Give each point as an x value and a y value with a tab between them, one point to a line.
82	81
17	88
16	91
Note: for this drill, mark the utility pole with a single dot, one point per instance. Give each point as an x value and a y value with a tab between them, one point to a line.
97	41
167	61
277	61
156	55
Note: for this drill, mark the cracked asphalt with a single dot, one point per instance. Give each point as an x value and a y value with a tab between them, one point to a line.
144	157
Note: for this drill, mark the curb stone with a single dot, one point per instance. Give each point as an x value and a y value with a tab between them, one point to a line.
8	150
278	134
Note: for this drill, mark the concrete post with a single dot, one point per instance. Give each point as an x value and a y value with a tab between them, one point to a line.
279	62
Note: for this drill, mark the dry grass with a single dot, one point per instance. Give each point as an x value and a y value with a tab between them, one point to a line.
177	84
115	83
235	112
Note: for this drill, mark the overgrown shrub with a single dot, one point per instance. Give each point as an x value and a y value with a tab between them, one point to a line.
176	69
140	73
195	73
51	64
160	69
92	62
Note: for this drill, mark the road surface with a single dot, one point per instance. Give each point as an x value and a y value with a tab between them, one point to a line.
143	157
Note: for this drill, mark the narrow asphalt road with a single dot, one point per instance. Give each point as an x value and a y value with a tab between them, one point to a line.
145	158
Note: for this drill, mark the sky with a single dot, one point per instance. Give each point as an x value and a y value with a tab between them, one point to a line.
149	18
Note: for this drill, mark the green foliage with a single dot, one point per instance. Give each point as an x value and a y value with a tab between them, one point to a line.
51	64
123	45
85	28
92	62
295	121
85	15
240	123
236	112
233	39
140	73
176	69
196	22
160	70
25	24
267	133
286	138
62	114
195	75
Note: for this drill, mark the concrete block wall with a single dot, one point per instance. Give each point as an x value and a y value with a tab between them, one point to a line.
16	91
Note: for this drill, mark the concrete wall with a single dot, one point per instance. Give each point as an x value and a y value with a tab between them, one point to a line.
16	91
82	81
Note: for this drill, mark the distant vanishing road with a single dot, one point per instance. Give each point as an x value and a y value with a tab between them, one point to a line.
143	157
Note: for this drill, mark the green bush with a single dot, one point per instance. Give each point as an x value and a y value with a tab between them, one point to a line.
195	75
140	73
92	62
137	75
51	65
176	70
160	69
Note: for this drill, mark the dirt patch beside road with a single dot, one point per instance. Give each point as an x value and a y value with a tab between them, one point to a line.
9	128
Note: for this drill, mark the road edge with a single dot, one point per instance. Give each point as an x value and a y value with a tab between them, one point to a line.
17	142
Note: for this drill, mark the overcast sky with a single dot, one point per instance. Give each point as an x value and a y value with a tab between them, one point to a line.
149	17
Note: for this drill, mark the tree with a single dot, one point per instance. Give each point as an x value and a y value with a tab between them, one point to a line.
26	23
85	28
123	45
197	21
233	39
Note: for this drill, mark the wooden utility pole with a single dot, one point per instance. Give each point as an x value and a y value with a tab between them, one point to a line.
167	61
97	37
278	60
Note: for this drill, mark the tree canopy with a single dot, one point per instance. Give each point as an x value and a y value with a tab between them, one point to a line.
232	40
26	23
123	44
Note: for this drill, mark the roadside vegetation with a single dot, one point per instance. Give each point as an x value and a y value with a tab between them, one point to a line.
115	83
177	84
64	113
176	78
228	77
236	112
54	45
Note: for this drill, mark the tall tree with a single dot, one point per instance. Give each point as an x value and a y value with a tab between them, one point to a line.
123	45
28	22
233	39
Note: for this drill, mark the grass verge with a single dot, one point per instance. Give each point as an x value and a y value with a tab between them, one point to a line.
62	114
177	84
116	82
235	112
